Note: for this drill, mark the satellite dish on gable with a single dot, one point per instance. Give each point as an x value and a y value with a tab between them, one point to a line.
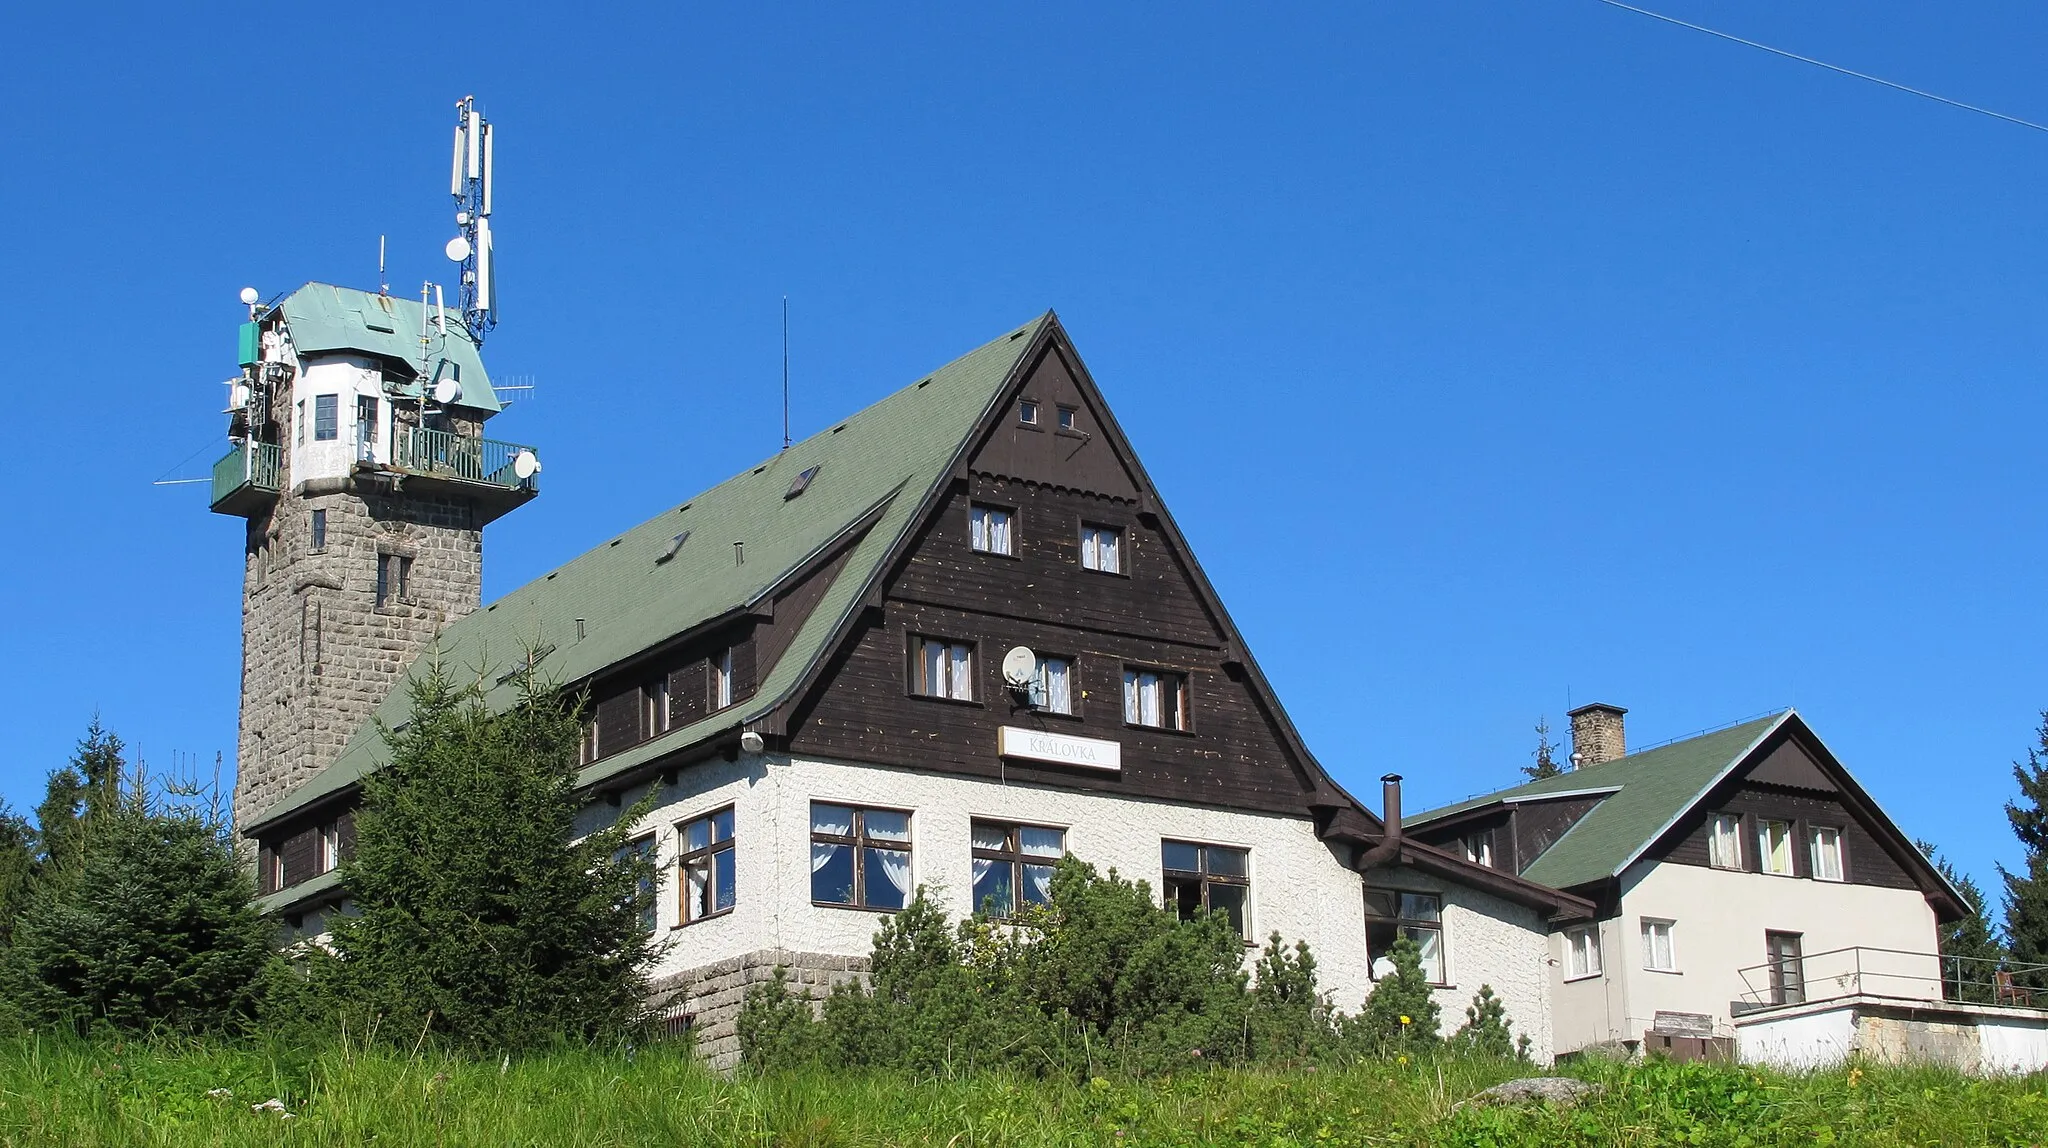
526	464
1020	666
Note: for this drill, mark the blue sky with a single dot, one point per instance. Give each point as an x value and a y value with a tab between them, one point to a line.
1492	356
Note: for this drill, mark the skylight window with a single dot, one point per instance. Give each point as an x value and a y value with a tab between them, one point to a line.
802	482
674	544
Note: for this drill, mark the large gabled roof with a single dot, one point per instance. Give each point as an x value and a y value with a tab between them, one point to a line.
1646	793
876	471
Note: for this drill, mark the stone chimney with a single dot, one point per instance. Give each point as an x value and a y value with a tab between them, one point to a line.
1597	734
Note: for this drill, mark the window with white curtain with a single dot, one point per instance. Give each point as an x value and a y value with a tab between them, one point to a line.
1156	698
710	885
1479	847
1102	548
1824	846
1391	914
1724	842
860	858
1774	846
721	679
1056	683
1582	952
1658	953
945	669
989	529
1013	866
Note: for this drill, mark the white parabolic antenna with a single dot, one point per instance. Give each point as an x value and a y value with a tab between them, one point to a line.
249	296
525	464
1020	666
457	249
447	390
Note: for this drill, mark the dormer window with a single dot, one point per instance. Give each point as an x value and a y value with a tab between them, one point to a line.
1479	848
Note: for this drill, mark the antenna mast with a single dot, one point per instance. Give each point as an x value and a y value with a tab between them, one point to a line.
785	372
469	181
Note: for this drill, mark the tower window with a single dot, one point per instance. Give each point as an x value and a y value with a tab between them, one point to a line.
394	571
299	423
319	532
326	418
366	423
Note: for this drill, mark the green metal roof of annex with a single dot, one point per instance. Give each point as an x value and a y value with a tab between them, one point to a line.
323	317
1649	791
882	462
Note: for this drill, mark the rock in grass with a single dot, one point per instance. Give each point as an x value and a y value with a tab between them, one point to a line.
1563	1091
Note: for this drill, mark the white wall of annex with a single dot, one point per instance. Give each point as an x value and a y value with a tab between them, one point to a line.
346	377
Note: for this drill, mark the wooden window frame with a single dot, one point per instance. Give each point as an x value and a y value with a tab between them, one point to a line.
586	748
718	681
1763	854
1403	925
1782	988
716	854
333	416
645	842
1478	847
1713	820
1812	835
1012	854
1123	548
1182	693
1073	710
655	711
1009	533
917	682
327	848
388	594
1035	422
859	841
1204	878
1067	419
316	531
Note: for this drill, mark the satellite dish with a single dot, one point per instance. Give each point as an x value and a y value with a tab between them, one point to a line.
447	390
457	249
525	464
1020	666
250	296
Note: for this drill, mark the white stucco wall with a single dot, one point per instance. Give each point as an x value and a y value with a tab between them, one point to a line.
1798	1043
1299	886
1719	920
346	377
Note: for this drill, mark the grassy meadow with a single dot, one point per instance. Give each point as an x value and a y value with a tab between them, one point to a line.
55	1092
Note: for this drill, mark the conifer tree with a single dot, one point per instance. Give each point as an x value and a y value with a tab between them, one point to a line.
1485	1032
477	915
1970	950
74	796
1401	1014
2026	892
1546	754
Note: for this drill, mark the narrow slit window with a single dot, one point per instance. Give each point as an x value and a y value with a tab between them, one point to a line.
1102	548
945	669
319	532
860	858
710	884
393	572
988	529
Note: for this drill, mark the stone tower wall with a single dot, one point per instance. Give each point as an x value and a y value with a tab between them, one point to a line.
318	651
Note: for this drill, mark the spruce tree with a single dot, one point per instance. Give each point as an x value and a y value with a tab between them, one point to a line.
2026	892
1485	1032
17	868
74	796
151	924
1545	754
1401	1013
477	916
1970	951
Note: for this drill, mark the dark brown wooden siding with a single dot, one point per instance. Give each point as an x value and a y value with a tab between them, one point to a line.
793	607
689	688
618	719
266	869
345	835
301	853
1080	460
1538	825
1864	861
1234	754
743	677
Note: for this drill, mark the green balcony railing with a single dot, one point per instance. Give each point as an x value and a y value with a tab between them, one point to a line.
445	454
252	467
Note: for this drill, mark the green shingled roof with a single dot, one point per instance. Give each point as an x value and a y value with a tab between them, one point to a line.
889	457
1649	791
323	317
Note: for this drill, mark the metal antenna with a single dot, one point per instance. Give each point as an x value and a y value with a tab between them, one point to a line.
383	286
469	181
785	372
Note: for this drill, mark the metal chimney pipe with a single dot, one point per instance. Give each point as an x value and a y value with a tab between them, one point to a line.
1389	847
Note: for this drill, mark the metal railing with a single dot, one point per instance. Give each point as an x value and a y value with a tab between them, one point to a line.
422	450
257	464
1865	970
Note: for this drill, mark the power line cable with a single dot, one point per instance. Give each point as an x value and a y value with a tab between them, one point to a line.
1879	80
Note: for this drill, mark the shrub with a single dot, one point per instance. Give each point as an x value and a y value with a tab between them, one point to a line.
1400	1016
1485	1032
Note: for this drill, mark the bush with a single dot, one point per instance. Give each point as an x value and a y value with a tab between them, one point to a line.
1485	1032
1400	1016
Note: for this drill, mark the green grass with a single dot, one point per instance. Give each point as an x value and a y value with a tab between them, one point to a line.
70	1093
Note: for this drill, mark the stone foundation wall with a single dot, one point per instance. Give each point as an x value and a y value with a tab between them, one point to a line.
708	998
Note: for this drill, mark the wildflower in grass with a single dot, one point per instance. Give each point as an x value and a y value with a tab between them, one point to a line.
1407	1020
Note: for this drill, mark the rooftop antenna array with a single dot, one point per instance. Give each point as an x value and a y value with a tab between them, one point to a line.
469	181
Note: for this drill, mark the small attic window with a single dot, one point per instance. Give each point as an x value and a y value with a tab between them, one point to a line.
802	482
674	544
926	383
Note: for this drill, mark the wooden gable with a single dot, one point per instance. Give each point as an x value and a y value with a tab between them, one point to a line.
1157	613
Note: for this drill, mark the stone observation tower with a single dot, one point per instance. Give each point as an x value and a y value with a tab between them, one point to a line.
360	465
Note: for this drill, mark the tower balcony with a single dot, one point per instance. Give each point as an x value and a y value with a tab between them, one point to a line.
246	481
481	468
